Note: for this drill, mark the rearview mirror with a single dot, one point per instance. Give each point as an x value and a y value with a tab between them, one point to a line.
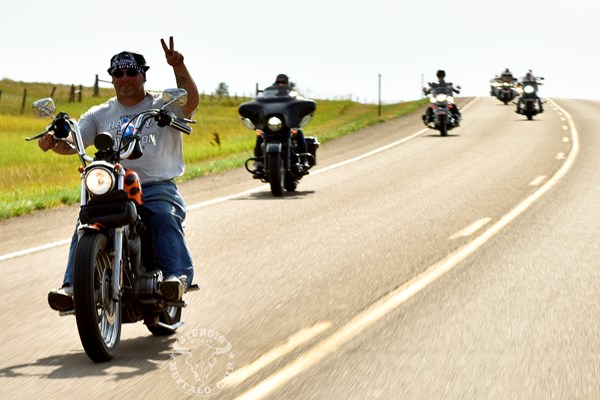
175	96
44	107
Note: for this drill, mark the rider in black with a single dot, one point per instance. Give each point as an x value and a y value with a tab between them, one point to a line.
282	82
441	75
530	79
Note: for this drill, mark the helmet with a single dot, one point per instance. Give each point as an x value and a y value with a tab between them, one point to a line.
441	74
282	79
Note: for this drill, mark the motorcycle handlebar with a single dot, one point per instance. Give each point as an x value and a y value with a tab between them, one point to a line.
164	118
180	125
62	125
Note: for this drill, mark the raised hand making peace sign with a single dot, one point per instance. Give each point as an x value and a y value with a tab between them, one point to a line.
174	57
182	75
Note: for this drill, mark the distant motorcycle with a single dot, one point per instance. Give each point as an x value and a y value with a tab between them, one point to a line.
116	275
505	91
441	113
529	103
276	115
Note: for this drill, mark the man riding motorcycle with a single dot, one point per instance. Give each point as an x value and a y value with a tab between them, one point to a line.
163	161
441	75
282	82
532	80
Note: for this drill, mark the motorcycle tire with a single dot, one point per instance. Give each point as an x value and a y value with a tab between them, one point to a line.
443	127
98	317
529	111
276	174
171	316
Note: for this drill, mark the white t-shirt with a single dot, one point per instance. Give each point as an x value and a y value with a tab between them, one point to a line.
162	147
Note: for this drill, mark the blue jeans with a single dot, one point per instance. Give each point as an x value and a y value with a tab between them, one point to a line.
164	211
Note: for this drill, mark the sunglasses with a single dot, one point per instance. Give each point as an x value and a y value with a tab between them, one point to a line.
119	73
281	82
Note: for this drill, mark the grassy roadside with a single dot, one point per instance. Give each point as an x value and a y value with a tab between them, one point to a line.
32	180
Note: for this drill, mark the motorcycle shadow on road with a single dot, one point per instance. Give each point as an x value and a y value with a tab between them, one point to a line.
296	195
137	357
437	135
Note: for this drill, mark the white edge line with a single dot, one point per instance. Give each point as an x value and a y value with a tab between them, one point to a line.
240	194
34	249
407	290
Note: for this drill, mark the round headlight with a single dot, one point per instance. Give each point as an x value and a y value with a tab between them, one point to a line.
274	124
450	99
99	181
529	89
440	98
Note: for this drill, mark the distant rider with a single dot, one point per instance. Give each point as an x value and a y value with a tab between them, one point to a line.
282	82
530	80
450	89
507	76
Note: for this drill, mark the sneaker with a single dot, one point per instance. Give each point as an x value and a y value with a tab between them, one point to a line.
62	299
173	287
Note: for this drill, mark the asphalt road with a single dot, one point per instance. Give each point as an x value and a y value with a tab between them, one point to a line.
407	265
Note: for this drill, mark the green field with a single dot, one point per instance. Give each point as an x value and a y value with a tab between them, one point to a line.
31	179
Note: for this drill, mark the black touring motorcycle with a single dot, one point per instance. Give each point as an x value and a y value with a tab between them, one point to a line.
276	115
116	276
441	114
529	104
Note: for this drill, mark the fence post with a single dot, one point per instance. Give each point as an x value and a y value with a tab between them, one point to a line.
24	100
53	90
96	87
72	94
0	96
80	92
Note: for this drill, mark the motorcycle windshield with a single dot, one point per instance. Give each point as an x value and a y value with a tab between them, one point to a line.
278	101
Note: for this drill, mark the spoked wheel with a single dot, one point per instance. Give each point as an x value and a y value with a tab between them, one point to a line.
171	316
98	316
276	174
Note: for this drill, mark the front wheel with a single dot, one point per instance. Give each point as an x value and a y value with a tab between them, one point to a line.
98	316
529	111
276	174
443	127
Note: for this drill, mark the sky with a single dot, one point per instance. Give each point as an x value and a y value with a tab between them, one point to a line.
359	50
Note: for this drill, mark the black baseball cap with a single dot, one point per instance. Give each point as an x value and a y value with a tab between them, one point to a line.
128	60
